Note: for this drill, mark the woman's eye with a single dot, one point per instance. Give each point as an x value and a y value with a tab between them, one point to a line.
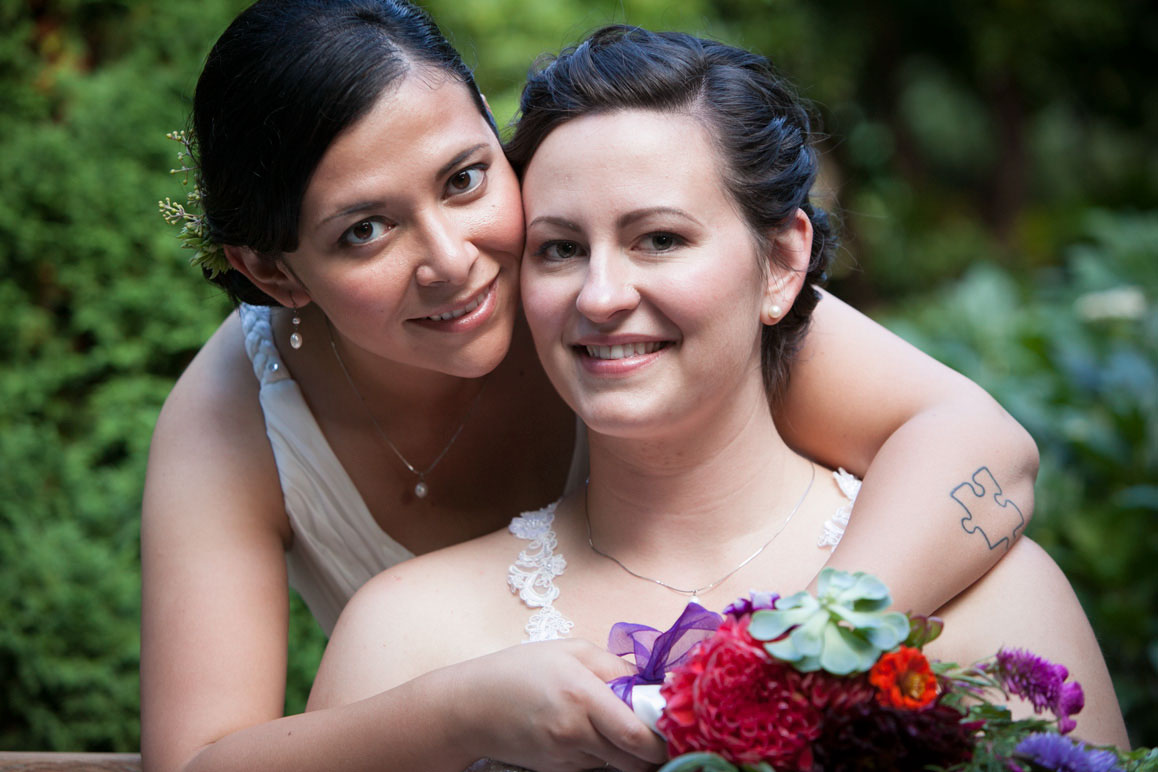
364	232
560	250
661	242
466	180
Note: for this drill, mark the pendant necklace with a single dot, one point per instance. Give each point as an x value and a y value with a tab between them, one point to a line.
421	489
694	594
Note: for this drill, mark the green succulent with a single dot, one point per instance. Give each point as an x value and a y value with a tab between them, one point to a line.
843	630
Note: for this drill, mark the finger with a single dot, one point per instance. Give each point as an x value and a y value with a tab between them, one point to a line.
633	742
604	664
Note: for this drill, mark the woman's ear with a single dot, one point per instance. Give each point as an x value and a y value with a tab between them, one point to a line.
789	253
272	277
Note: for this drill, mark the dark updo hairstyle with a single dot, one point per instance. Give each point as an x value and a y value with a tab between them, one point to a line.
280	84
758	125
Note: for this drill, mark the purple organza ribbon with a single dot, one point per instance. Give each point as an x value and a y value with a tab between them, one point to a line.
655	652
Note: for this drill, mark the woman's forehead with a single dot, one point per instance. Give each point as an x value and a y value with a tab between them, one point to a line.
625	156
413	136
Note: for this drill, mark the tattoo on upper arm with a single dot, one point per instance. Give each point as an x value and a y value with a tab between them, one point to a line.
998	523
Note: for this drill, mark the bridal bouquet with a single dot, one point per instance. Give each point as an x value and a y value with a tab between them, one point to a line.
838	682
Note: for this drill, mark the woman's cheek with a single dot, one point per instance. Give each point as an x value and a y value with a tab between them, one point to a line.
544	303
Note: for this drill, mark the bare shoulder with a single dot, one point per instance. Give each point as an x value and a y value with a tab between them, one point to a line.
210	440
426	613
219	379
1025	601
1027	574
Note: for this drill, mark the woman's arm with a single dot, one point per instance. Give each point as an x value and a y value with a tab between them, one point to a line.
542	706
948	474
214	626
445	720
213	535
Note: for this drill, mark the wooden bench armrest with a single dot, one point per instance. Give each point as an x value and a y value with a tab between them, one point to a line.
16	761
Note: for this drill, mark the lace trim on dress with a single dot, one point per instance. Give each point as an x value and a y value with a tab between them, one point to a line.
834	527
532	576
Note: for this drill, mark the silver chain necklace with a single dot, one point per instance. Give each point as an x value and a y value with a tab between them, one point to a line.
421	489
695	593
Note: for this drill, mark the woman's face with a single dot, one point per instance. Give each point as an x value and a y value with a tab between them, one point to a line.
641	281
411	232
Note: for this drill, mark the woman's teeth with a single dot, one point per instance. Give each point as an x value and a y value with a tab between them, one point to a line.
472	305
623	351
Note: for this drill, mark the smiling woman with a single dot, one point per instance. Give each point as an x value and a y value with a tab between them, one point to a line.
641	252
354	180
679	259
406	237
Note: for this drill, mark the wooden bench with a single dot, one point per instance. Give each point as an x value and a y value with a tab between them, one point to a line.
69	762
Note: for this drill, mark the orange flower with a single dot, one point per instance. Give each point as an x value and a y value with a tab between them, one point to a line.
903	679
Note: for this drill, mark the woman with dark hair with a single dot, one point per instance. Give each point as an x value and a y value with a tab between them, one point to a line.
671	260
377	396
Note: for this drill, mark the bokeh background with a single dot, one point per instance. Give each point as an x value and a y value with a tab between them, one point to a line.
994	164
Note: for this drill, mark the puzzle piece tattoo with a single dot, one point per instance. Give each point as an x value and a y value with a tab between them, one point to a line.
998	524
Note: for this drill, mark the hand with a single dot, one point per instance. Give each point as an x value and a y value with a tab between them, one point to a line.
546	706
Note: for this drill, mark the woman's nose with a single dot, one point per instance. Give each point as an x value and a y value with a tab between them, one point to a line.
449	254
607	289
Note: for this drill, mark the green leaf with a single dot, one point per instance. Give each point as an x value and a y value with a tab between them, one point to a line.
769	624
867	587
889	631
923	630
699	762
846	652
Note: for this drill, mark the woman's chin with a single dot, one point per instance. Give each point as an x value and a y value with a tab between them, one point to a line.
479	364
483	355
632	421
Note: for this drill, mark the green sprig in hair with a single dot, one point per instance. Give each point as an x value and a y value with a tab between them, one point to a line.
194	233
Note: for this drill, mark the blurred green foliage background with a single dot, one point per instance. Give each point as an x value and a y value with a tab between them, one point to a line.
994	164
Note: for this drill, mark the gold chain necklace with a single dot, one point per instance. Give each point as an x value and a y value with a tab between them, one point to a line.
421	489
695	593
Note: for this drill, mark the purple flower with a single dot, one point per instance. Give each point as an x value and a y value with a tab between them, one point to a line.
756	601
1055	752
1042	683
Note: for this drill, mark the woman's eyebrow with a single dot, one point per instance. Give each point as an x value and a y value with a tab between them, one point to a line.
556	221
361	206
639	214
448	167
623	221
444	170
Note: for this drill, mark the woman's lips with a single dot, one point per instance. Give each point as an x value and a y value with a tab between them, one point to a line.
619	358
469	316
624	350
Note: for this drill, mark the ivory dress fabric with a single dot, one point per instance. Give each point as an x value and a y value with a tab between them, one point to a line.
337	545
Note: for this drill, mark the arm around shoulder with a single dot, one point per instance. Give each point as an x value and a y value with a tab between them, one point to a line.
948	474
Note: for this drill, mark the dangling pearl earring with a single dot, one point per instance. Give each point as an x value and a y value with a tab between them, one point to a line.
295	336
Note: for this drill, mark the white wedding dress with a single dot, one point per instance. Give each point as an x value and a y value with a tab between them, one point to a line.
532	575
337	544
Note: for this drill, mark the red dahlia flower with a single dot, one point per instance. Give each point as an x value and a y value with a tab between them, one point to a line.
904	679
733	699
